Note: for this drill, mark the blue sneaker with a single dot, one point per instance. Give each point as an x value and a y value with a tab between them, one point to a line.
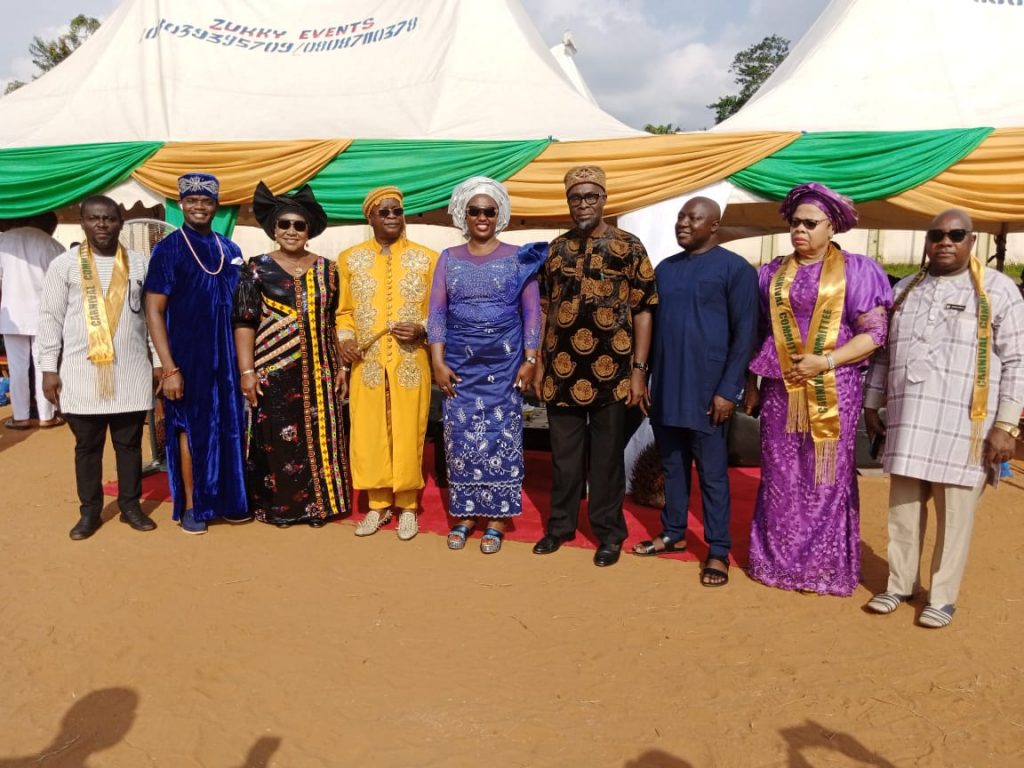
189	524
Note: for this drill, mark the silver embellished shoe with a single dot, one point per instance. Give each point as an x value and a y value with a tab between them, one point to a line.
375	519
408	524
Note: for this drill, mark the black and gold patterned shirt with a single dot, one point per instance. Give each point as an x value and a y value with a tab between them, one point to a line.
592	287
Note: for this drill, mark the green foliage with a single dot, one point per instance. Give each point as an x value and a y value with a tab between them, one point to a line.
751	67
47	54
662	129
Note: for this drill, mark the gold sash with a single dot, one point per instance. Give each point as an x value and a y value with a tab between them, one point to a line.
813	405
102	314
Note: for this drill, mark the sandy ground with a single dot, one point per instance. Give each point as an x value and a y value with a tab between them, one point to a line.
253	646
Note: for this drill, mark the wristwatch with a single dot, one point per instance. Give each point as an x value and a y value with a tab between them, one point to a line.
641	366
1012	429
532	360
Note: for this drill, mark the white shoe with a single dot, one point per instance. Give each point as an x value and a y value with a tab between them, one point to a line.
408	524
375	519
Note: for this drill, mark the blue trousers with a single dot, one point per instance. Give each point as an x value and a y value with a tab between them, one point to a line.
678	449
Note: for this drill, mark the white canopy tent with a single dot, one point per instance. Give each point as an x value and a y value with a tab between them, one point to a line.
236	70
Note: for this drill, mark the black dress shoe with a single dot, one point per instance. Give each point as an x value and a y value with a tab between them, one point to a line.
85	527
137	520
547	545
606	556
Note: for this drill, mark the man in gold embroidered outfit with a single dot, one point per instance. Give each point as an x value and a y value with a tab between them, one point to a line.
385	290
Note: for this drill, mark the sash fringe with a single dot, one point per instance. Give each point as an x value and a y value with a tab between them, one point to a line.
105	380
825	461
977	441
796	411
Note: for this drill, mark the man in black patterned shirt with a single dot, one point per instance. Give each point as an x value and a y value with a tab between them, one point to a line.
599	291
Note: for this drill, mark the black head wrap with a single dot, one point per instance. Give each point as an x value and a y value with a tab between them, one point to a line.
267	207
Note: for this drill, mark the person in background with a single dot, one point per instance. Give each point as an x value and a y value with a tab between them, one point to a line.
26	251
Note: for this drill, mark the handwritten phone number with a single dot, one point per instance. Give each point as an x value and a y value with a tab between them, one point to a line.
182	31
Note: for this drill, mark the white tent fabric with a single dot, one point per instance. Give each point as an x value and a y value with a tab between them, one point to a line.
896	65
235	70
563	53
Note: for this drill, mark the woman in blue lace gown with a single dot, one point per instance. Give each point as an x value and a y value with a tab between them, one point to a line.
484	331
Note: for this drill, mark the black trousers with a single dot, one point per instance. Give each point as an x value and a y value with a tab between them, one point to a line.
90	431
568	428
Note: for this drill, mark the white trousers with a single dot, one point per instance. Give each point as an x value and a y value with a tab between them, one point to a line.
21	351
908	515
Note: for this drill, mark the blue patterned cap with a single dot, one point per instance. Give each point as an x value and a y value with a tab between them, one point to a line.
198	184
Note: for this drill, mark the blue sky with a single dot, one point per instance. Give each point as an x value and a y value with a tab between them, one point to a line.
647	61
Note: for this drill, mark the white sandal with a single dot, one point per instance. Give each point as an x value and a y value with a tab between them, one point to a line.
408	524
936	618
886	602
375	519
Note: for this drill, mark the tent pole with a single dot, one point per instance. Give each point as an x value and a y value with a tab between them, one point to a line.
1000	254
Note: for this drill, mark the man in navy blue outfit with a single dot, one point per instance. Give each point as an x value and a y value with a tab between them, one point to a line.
704	336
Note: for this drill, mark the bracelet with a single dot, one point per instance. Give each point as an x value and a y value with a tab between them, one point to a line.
346	368
532	359
830	361
641	366
172	372
250	370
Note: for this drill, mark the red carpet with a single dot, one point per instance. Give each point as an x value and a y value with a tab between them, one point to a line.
643	522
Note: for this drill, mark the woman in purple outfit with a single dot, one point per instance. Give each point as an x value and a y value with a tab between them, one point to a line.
824	311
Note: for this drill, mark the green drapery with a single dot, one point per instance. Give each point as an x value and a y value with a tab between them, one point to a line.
425	171
862	165
224	221
39	179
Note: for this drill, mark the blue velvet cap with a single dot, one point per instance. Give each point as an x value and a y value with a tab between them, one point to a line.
198	184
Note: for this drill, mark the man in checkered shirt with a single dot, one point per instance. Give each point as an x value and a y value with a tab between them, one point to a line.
945	434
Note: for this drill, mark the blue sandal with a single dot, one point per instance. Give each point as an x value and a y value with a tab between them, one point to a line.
457	536
491	541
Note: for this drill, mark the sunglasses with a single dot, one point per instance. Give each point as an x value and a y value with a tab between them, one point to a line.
808	224
590	198
299	224
955	235
475	210
386	212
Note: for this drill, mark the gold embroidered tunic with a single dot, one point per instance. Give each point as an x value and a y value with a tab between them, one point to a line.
389	389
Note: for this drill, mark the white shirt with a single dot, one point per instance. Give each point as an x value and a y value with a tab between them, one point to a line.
62	329
25	253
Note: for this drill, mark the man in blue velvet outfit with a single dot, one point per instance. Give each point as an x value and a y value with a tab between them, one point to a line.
704	336
190	290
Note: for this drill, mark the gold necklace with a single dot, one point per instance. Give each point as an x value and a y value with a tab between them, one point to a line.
196	255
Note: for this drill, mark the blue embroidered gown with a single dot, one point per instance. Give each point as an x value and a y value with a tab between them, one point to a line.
486	311
201	337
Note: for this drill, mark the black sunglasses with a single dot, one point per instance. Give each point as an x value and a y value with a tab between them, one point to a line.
808	224
299	224
955	235
476	210
385	212
590	198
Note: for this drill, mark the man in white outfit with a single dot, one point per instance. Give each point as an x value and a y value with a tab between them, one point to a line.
952	381
26	250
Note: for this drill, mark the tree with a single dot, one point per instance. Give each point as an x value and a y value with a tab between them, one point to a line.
751	67
662	129
47	54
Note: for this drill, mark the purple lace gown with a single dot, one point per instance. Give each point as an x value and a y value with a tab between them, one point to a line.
486	311
807	536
